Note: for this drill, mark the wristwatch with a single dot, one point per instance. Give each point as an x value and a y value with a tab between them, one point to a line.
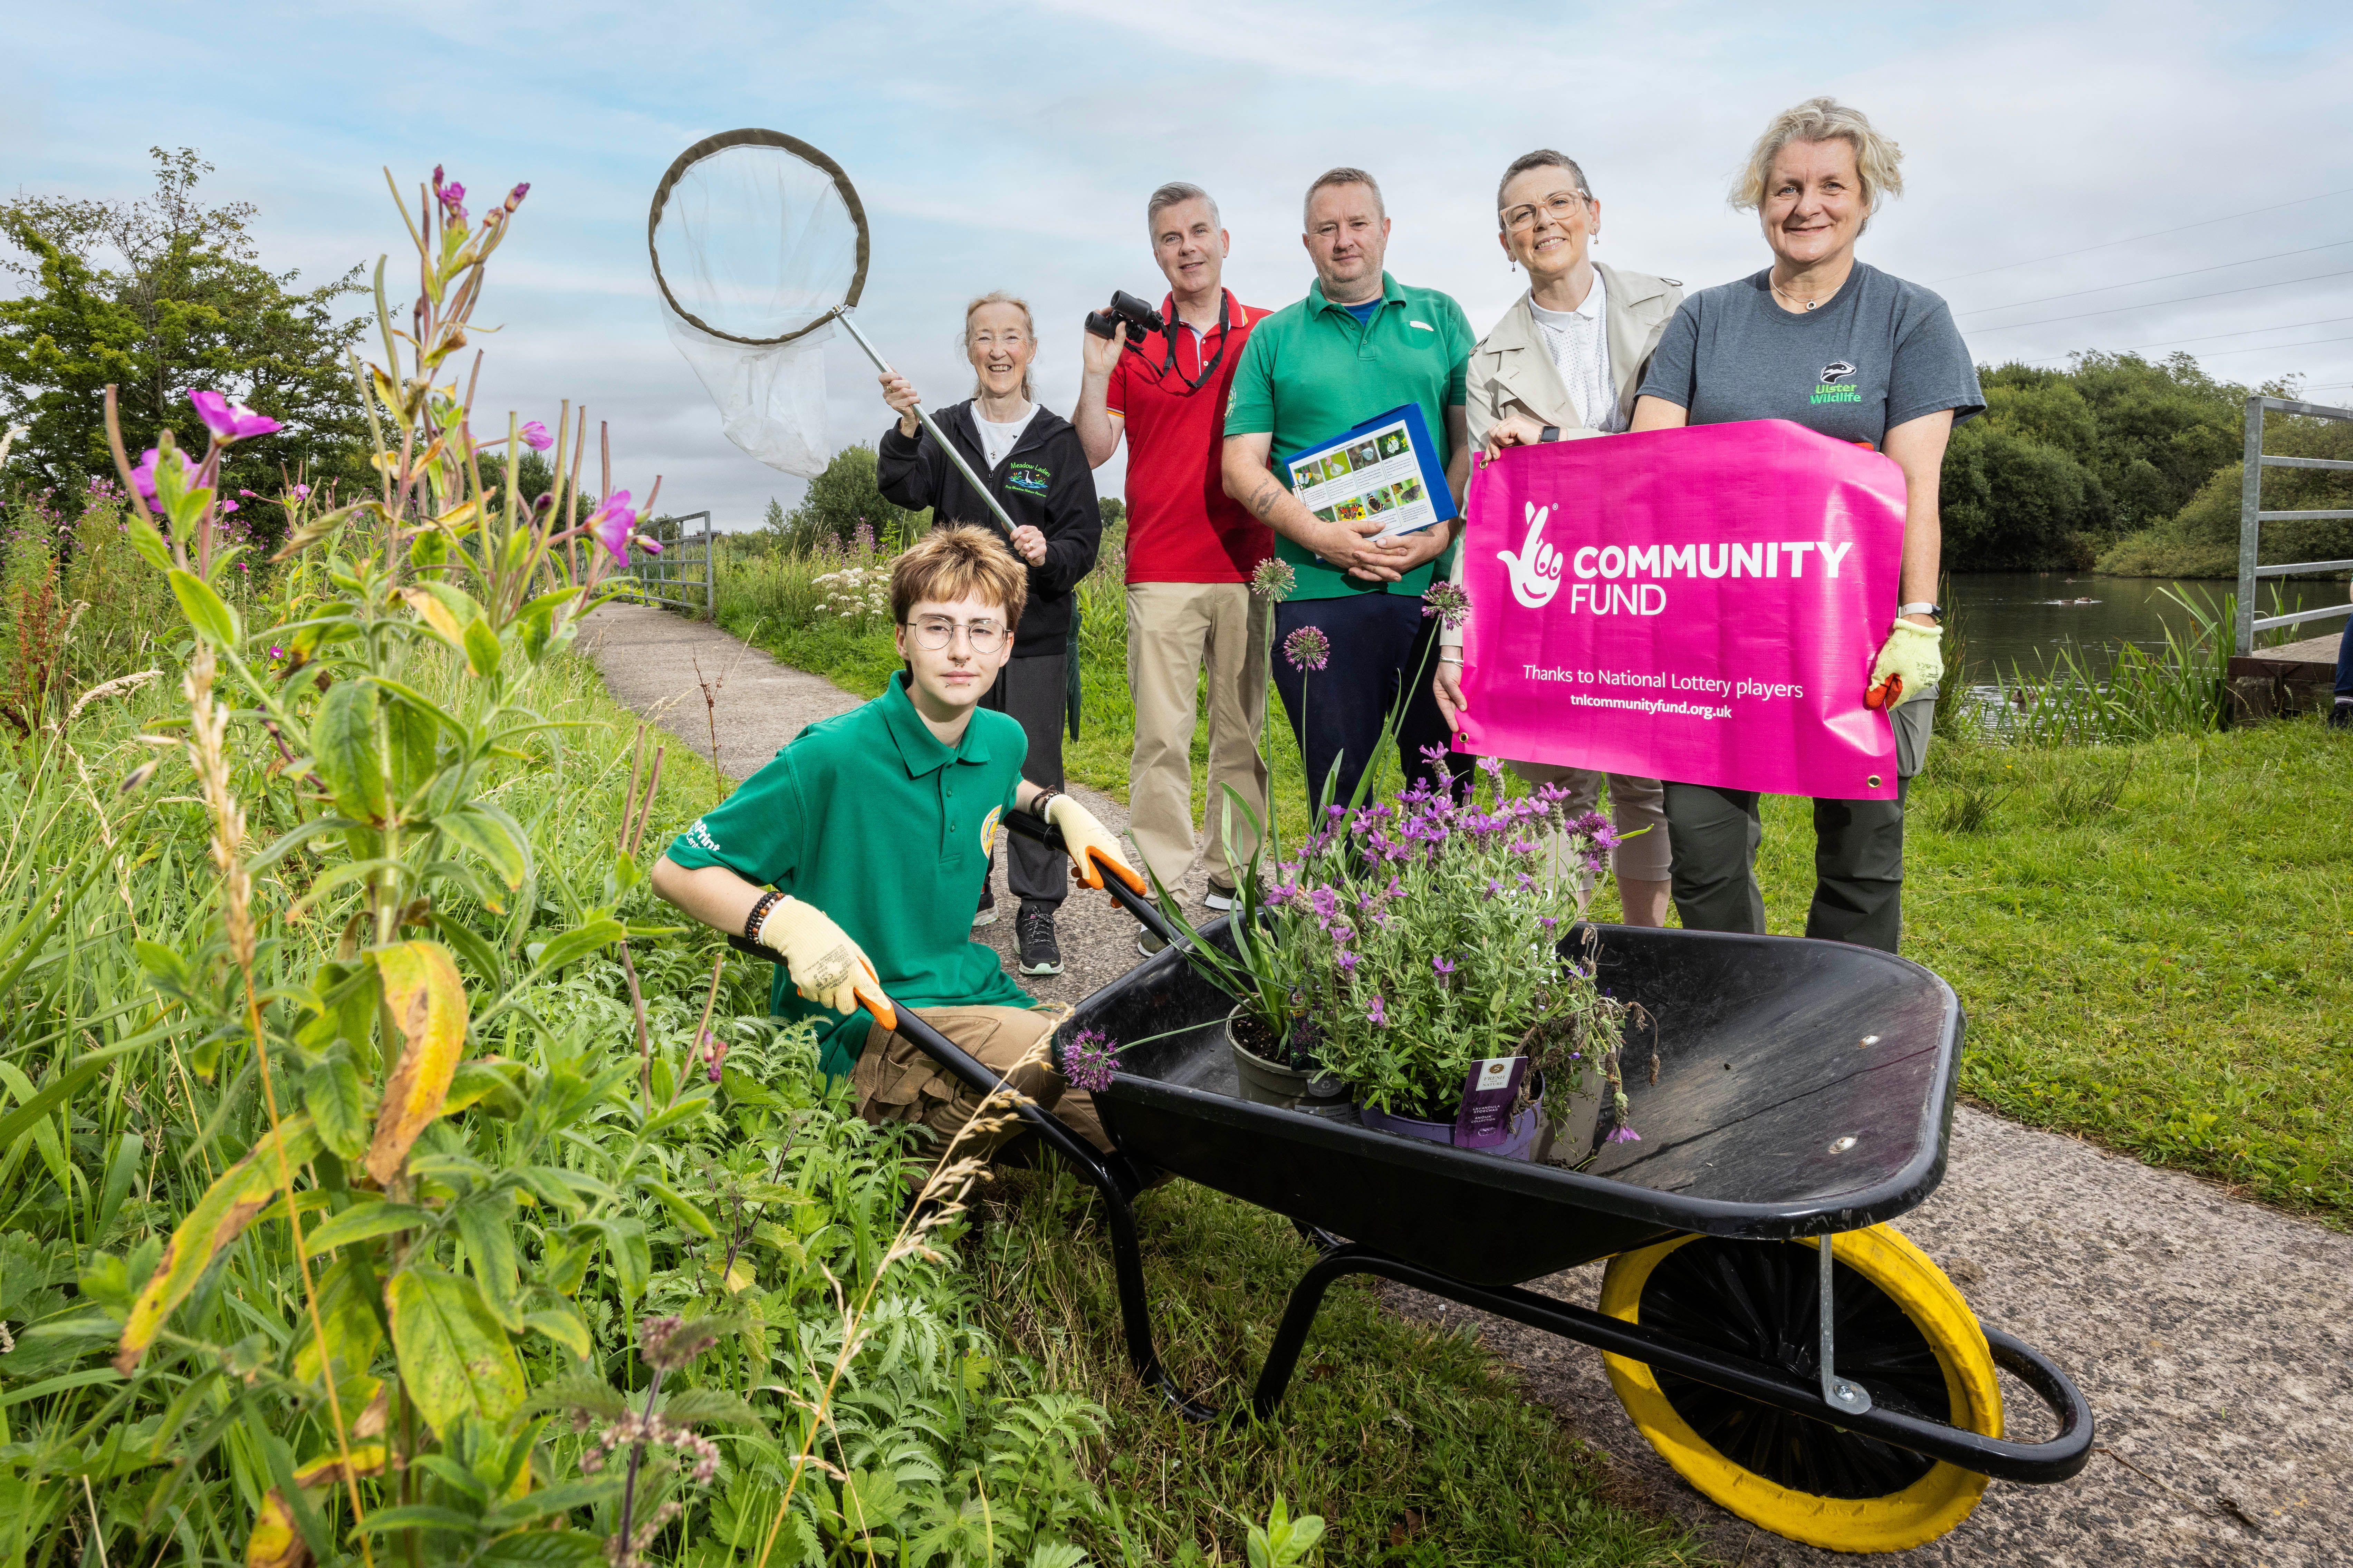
1934	612
1551	433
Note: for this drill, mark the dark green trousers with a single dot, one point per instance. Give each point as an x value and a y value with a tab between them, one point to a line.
1713	835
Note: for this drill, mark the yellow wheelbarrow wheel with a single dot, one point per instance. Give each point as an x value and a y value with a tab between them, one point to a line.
1902	1332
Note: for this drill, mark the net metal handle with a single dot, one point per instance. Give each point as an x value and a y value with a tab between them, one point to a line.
842	314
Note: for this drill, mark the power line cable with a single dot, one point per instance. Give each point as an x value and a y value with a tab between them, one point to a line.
2161	278
2130	239
2159	304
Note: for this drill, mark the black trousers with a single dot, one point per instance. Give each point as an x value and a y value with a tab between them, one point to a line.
1381	645
1031	689
1712	837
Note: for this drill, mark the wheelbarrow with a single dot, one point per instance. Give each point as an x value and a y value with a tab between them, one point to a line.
1790	1355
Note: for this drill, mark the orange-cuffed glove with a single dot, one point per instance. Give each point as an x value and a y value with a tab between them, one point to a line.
1912	660
1093	850
827	966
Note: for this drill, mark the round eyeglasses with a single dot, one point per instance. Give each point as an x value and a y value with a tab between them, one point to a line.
1559	206
937	632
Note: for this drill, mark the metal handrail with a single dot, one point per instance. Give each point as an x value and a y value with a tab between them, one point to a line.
2252	517
655	573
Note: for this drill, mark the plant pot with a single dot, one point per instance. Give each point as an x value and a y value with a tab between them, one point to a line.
1520	1144
1263	1082
1581	1127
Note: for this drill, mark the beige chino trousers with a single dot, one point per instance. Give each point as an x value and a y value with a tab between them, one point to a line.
1175	632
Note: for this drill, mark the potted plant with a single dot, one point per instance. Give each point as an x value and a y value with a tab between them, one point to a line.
1426	932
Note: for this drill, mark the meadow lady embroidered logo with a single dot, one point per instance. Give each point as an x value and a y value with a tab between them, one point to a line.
1031	477
1535	569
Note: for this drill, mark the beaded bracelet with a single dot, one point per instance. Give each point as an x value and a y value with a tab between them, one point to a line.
752	921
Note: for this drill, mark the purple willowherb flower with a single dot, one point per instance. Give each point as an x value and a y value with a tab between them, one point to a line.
610	524
535	437
714	1051
227	507
1089	1060
230	421
302	493
1307	648
515	196
1273	579
1449	601
276	652
143	478
1624	1134
1376	1014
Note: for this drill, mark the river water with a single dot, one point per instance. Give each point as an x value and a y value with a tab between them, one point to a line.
2023	617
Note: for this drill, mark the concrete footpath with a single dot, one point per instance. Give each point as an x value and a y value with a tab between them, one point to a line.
2214	1337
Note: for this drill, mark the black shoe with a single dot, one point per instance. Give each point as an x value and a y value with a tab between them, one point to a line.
2340	715
987	914
1033	933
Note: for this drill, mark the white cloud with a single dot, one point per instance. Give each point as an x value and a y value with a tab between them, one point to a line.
1013	147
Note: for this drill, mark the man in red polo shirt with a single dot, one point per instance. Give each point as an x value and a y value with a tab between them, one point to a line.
1190	547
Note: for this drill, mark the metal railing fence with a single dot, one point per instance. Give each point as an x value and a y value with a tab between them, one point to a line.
2252	517
685	575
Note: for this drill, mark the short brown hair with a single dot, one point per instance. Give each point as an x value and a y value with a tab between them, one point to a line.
1344	175
947	563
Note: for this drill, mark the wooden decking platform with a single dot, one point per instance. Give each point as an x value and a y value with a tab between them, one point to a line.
2286	679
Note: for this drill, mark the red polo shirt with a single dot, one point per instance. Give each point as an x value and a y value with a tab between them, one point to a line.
1182	527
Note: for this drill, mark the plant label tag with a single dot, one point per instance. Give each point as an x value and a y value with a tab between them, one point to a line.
1486	1119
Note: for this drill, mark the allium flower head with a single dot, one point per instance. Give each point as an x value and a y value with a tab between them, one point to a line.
230	421
1089	1060
1307	648
1273	579
1449	601
535	437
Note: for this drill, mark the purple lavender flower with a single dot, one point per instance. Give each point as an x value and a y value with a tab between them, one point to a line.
1441	967
1089	1060
1345	961
1624	1134
1547	922
1376	1014
1307	648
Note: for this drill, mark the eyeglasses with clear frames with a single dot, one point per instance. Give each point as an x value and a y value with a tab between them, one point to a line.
937	632
1559	206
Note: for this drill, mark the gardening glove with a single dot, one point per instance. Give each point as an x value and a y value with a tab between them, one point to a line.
1911	660
826	967
1093	849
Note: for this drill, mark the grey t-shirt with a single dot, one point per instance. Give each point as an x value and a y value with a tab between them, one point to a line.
1880	353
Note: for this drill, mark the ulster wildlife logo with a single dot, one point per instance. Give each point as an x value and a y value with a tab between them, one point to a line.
1835	386
1535	569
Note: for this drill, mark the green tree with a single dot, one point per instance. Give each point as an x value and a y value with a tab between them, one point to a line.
843	497
158	296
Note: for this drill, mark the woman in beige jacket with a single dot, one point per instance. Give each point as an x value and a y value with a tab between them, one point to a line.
1563	364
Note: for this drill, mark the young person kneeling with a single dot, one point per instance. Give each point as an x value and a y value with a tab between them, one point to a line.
874	828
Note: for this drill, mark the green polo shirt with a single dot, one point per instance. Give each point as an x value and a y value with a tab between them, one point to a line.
867	817
1311	371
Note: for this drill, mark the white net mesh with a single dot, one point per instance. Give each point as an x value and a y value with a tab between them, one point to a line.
755	242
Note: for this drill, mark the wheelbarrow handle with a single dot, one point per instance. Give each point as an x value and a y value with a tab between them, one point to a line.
1043	832
982	1081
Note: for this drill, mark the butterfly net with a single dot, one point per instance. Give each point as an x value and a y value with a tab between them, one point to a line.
758	240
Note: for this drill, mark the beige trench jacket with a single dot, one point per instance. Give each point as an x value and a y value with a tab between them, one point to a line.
1512	371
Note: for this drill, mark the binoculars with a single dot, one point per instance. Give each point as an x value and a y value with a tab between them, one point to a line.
1141	317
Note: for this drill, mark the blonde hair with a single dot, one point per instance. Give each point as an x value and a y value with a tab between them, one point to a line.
1876	158
947	563
1002	297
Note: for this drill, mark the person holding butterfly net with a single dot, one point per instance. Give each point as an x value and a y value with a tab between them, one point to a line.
1034	466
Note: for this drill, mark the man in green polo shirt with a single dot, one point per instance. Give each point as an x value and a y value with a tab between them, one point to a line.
874	829
1360	344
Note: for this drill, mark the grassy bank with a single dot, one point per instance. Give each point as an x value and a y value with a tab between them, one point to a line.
2153	939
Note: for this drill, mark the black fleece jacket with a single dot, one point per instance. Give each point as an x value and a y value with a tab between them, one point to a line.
1045	482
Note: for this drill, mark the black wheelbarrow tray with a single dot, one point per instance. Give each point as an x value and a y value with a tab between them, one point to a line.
1844	1397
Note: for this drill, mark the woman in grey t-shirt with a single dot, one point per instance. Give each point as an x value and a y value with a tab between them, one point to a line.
1842	348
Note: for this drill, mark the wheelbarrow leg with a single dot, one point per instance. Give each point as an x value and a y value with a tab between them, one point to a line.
1298	1317
1134	1308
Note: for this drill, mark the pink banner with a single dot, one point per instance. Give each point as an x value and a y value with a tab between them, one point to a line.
1700	605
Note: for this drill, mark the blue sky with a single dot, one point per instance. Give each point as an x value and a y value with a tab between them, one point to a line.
1012	146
